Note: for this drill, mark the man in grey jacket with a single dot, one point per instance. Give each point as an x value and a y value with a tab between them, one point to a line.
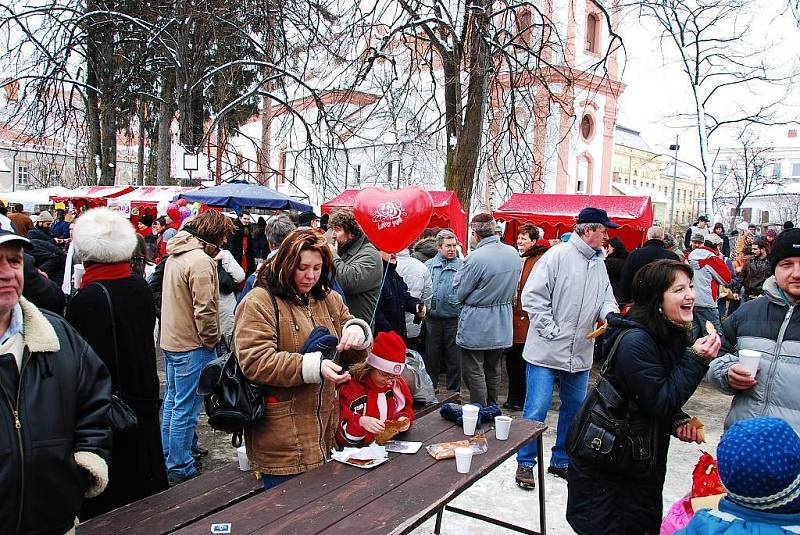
485	287
768	325
566	295
359	268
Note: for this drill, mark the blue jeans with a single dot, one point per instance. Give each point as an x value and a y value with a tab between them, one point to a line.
181	408
571	391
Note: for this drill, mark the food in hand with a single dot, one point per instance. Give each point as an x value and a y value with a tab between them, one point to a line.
698	424
710	327
597	332
391	428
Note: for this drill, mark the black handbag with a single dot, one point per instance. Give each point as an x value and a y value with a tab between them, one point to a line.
121	417
609	433
231	401
226	283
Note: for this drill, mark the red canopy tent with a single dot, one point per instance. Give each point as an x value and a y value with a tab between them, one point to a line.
145	199
92	196
447	210
557	214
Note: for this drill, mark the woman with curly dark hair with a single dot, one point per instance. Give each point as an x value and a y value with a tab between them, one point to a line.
275	339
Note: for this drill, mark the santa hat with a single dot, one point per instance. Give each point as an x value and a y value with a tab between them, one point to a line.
388	353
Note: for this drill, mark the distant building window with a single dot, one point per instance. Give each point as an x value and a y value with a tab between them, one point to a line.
390	172
584	175
723	169
524	26
776	169
764	216
792	133
587	127
795	168
635	183
592	27
22	175
747	214
358	173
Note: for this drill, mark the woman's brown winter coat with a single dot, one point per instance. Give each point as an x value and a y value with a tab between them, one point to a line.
521	319
297	431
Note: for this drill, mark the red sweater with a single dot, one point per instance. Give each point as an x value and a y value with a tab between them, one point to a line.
353	397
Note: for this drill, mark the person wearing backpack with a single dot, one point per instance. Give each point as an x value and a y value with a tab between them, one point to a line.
276	324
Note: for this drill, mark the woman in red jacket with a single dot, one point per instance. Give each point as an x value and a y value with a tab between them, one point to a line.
375	393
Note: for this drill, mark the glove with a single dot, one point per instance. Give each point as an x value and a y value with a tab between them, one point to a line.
453	412
320	340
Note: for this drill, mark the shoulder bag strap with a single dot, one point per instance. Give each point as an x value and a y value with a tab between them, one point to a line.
277	320
613	351
114	336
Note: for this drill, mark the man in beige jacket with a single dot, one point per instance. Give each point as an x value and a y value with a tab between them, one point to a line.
190	331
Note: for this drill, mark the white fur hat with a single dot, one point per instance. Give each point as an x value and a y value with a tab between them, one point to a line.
104	236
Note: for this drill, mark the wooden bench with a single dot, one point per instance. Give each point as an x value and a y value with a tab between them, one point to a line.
201	496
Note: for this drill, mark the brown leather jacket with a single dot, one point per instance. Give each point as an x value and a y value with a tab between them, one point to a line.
297	431
521	320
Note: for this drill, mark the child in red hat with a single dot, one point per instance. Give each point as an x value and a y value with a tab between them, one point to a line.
376	393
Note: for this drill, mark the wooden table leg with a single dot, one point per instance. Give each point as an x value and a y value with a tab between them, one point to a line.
437	529
540	465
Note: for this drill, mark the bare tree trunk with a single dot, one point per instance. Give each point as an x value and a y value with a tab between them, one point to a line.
165	114
108	137
93	120
140	148
221	142
264	175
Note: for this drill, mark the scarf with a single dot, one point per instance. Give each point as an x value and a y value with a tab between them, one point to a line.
377	398
104	272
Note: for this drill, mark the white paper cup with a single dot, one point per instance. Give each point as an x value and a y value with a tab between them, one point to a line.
470	422
463	460
502	425
471	410
750	359
77	275
244	462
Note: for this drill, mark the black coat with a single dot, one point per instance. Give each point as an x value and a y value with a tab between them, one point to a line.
137	464
40	290
651	251
63	404
260	247
49	257
393	304
614	264
659	378
236	247
156	282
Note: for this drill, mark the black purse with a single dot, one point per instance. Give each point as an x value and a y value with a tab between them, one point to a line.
121	417
609	433
232	403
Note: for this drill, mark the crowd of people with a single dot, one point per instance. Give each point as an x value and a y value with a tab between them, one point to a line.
323	321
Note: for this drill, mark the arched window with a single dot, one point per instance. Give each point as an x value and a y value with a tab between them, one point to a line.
592	27
584	174
587	127
524	27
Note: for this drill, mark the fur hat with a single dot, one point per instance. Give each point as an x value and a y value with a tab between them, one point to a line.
759	464
44	217
786	245
388	353
103	236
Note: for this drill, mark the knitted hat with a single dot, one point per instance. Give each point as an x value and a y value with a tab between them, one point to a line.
759	463
786	245
713	239
698	237
743	226
388	353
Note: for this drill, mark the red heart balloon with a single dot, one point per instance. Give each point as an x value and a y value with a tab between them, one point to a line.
392	219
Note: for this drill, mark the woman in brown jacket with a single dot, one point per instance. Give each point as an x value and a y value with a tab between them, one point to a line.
530	248
290	298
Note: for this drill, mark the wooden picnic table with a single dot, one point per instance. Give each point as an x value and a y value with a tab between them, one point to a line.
197	498
394	497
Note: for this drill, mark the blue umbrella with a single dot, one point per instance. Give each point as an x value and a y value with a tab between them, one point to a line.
237	195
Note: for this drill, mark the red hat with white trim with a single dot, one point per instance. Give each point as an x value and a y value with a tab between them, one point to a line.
388	353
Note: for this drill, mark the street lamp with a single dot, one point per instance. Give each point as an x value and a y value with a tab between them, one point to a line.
675	148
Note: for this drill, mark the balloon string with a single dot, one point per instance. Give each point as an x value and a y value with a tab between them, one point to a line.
380	291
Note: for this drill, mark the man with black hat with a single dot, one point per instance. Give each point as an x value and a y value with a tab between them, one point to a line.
568	292
769	326
700	227
308	219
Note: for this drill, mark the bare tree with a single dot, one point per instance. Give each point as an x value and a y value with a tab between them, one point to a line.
746	173
717	50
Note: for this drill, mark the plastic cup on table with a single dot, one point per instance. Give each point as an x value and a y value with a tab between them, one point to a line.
463	460
469	423
502	426
750	360
244	462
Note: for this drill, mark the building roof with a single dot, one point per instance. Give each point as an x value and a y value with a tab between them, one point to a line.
630	138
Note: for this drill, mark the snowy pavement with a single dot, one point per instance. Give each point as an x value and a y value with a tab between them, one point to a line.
497	495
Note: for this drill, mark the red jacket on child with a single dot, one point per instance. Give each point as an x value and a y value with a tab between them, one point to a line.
366	399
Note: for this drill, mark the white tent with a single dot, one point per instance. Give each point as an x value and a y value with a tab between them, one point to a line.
32	199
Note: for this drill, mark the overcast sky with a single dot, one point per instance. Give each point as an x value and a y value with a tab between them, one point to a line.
657	87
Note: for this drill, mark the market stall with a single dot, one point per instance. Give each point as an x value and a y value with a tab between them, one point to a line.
447	210
34	200
238	195
86	197
146	200
556	214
